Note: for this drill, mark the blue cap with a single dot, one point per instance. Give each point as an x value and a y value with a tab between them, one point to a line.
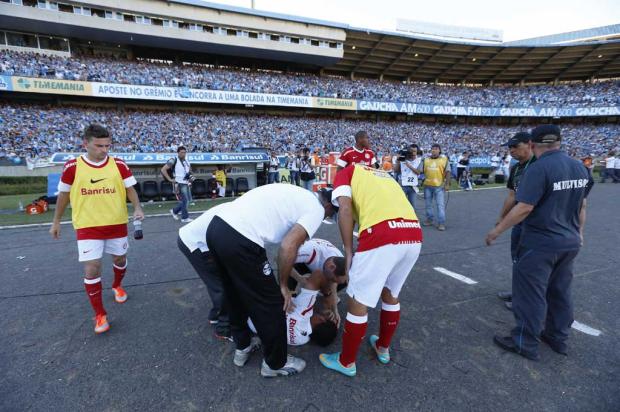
521	137
546	133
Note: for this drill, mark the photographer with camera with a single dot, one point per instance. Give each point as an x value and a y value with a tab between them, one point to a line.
306	170
408	168
182	179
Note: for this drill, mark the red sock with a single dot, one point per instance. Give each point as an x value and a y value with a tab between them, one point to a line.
93	290
119	274
354	331
390	315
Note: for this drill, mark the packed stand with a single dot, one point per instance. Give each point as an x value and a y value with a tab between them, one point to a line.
200	76
27	130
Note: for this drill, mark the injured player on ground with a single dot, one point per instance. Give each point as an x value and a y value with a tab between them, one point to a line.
314	319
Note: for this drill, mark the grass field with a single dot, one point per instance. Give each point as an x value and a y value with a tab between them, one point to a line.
20	218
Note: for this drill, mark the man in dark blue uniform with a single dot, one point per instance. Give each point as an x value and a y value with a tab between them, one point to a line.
521	150
551	204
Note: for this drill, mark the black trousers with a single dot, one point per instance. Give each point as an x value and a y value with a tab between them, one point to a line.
541	296
204	264
251	291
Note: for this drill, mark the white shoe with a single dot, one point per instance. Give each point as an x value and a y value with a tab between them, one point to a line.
174	215
189	219
293	366
243	355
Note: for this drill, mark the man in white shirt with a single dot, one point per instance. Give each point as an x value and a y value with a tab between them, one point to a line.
236	237
617	169
610	168
181	180
409	170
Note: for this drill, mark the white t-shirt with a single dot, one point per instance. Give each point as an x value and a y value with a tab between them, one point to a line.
180	169
298	327
194	234
617	163
315	252
407	177
610	162
267	213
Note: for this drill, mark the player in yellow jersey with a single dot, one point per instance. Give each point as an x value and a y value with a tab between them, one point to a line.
389	244
98	185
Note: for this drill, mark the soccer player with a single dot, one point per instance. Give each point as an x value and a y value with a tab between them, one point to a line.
97	186
390	239
360	153
304	323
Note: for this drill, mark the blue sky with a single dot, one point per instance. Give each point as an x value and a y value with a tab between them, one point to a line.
518	19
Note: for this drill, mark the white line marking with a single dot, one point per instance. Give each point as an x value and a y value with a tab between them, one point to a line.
356	234
456	276
66	222
328	222
586	329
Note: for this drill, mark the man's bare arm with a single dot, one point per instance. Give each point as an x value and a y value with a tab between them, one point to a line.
286	259
582	218
345	223
61	204
509	203
164	171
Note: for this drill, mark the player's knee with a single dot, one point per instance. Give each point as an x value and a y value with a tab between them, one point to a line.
356	308
92	269
119	261
386	297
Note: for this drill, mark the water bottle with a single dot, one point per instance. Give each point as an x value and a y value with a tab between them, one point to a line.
137	229
20	206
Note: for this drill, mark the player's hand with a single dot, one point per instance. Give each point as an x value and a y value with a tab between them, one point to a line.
55	230
333	316
491	236
289	306
138	214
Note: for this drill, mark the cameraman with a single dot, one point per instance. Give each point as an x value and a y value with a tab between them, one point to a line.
408	167
306	169
181	179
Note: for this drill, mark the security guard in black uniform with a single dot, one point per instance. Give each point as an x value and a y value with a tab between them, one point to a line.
520	149
551	204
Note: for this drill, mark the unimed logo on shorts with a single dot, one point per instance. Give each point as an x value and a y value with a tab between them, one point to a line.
393	224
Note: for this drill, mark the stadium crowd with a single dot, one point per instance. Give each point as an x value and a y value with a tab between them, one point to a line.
31	130
157	73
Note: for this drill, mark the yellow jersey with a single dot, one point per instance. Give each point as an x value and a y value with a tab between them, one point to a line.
435	171
380	207
98	197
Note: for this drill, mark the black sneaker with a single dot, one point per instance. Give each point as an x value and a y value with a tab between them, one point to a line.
557	347
508	344
223	335
505	296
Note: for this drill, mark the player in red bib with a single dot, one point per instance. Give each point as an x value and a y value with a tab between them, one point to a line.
360	153
98	186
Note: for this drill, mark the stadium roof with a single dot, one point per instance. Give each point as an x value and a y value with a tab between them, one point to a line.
394	55
372	53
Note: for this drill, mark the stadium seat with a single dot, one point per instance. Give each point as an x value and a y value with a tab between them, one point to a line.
150	190
230	190
138	188
241	186
199	188
167	190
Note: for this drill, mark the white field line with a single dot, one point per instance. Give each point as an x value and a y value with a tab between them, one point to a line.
586	329
455	275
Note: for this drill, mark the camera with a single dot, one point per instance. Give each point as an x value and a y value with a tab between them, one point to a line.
404	154
189	177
